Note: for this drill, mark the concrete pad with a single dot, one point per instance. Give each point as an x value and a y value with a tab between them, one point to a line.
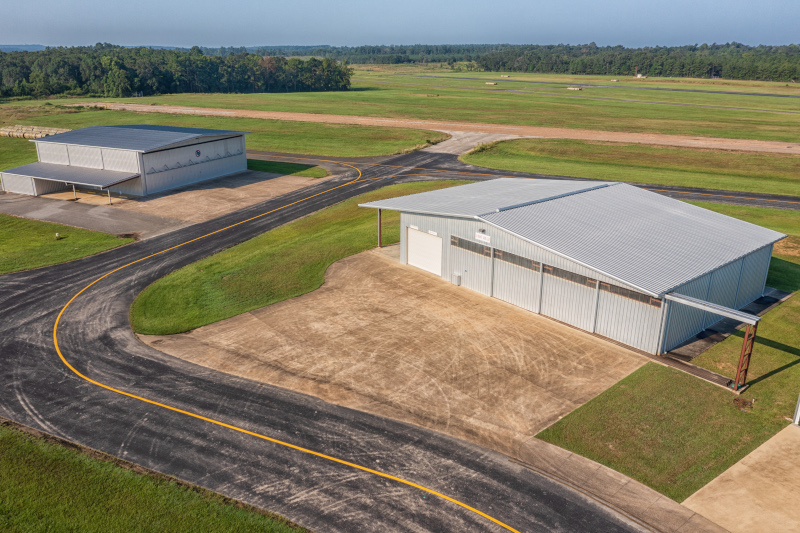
93	217
461	142
395	341
203	201
759	493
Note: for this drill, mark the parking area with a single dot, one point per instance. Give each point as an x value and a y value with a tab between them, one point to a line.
390	339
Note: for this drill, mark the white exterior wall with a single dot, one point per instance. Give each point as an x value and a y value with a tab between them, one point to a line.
623	319
18	184
120	160
53	153
47	186
178	167
85	156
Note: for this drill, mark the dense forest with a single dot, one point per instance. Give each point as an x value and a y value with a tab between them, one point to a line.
731	60
110	70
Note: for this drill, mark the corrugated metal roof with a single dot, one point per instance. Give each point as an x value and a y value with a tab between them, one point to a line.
137	137
77	175
484	197
646	240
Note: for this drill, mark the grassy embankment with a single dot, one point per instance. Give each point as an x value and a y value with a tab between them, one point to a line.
269	135
278	265
26	244
676	433
46	486
661	165
620	107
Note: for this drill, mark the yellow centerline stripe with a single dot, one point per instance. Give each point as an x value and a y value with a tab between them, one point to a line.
504	176
230	426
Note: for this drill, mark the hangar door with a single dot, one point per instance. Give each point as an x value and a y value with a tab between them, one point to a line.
425	251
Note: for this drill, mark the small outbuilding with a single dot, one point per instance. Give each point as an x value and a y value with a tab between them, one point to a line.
631	265
134	160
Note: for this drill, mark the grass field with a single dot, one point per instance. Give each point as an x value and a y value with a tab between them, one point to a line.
287	169
713	169
26	244
411	94
270	135
45	486
674	432
278	265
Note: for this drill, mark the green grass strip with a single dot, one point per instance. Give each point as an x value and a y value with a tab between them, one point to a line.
26	244
45	486
674	432
278	265
287	169
662	165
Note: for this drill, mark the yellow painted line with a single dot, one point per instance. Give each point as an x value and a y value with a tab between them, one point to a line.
230	426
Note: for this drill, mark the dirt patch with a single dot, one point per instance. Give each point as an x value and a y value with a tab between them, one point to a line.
389	339
685	141
789	246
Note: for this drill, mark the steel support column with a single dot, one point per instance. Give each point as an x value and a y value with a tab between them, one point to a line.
380	237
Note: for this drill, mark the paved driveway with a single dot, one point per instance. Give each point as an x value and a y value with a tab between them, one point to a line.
392	340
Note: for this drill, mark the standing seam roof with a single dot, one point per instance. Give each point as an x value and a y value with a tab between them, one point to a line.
646	240
138	137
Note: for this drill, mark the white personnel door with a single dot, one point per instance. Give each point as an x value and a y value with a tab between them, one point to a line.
425	251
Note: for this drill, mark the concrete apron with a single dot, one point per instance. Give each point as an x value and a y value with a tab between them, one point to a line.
760	493
395	341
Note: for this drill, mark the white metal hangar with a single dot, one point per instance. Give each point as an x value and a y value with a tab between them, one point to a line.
134	160
628	264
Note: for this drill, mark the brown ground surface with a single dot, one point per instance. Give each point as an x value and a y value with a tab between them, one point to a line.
686	141
392	340
760	493
204	201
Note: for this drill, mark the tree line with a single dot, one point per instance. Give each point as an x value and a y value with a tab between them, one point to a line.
731	60
109	70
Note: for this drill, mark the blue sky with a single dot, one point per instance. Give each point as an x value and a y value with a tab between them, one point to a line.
355	22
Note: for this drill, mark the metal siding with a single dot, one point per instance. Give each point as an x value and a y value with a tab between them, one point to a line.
47	186
516	285
475	269
568	302
18	184
723	289
754	272
189	174
120	160
685	321
628	321
85	156
53	153
425	251
129	188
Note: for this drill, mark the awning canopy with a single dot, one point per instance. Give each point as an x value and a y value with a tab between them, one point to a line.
716	309
90	177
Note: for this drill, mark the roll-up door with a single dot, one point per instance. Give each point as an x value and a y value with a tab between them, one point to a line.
425	251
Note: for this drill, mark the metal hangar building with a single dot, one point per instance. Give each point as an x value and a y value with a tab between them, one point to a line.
133	160
615	260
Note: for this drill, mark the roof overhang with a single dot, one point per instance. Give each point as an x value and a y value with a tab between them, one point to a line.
88	177
716	309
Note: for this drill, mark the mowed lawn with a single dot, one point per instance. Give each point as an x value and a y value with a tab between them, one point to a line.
620	107
26	244
661	165
45	486
674	432
278	265
287	169
336	140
